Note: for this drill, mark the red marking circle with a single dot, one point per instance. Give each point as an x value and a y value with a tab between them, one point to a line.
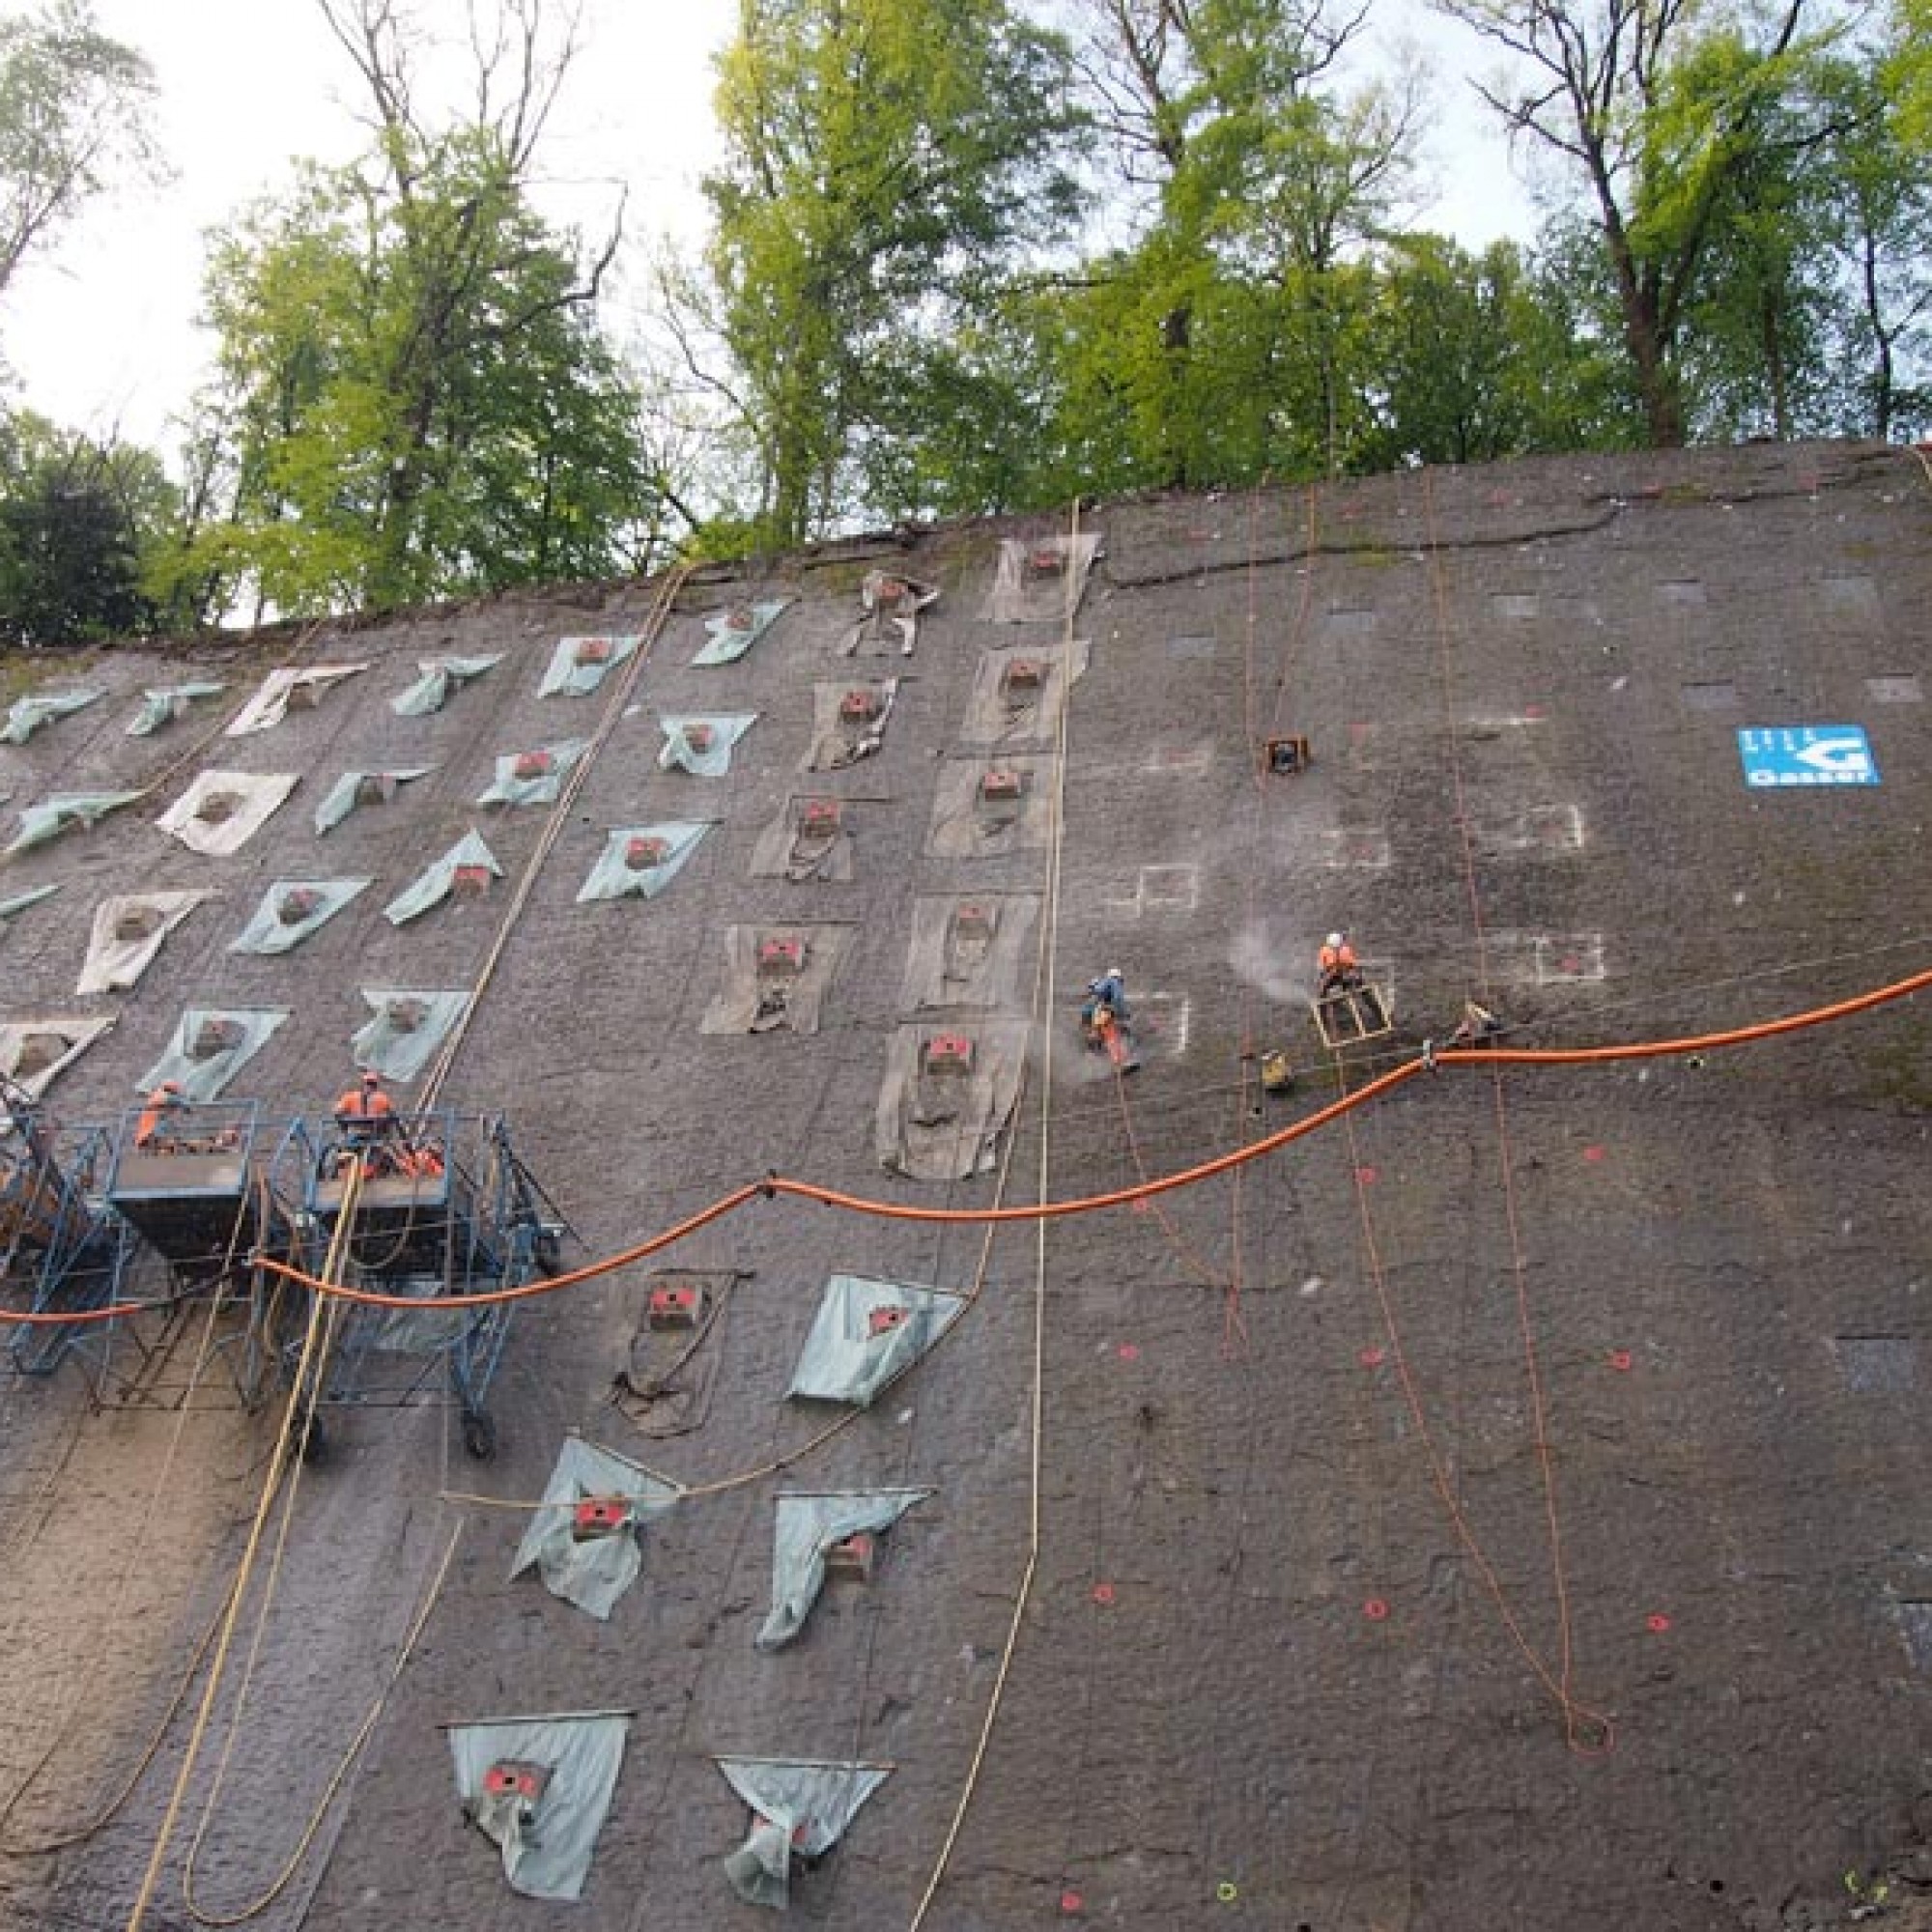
1376	1610
1140	1207
1365	1176
1620	1360
1129	1352
1070	1901
1532	711
1103	1593
1593	1154
1656	1623
1373	1358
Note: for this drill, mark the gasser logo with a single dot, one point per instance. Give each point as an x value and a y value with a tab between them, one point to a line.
1808	755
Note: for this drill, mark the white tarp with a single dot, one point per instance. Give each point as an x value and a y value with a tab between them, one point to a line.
128	934
801	1806
533	777
220	811
546	1842
866	1334
281	689
594	1571
937	1119
1018	697
291	909
890	605
27	715
803	1532
969	950
810	838
211	1046
776	976
700	742
407	1027
733	631
35	1053
1039	580
162	703
641	859
580	665
49	820
436	882
357	788
848	723
440	680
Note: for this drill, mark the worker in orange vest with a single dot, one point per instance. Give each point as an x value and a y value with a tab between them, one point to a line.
1340	970
166	1098
366	1113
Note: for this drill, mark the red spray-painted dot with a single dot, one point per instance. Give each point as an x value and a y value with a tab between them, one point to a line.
1103	1593
1376	1610
1365	1176
1071	1902
1621	1360
1571	964
1656	1623
1129	1352
1373	1358
1593	1154
1140	1207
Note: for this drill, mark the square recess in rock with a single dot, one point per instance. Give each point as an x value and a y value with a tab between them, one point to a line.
1898	690
1517	606
1877	1364
1190	647
1716	696
1914	1625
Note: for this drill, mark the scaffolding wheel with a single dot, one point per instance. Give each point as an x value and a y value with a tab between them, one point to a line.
480	1435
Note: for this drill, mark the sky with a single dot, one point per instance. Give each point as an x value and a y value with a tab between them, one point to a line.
100	334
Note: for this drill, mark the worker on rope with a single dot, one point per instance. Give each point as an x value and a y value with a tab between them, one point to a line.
1105	1023
1109	991
1338	970
167	1098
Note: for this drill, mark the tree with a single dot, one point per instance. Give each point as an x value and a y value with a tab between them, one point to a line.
82	525
1660	106
415	394
886	162
74	111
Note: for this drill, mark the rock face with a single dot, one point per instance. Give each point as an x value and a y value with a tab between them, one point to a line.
1504	1506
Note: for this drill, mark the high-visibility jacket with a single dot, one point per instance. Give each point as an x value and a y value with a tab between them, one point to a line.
1337	959
365	1107
163	1100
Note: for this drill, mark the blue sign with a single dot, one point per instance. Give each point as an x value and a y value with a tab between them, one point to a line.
1806	755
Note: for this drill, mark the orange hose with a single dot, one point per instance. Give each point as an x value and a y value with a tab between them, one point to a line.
1121	1196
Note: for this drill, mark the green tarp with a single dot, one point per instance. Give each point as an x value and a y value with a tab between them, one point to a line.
580	665
641	859
799	1805
357	788
803	1535
407	1028
291	909
734	630
27	715
533	777
161	704
700	743
41	822
591	1572
436	882
866	1334
440	680
211	1045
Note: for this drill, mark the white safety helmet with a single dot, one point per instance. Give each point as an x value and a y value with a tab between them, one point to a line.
1334	938
1115	973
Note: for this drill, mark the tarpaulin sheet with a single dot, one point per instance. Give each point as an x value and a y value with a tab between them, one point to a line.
669	1374
756	999
1018	697
733	631
580	665
798	1805
127	932
26	715
49	819
842	732
1041	579
35	1053
20	902
440	680
889	606
969	822
291	909
641	859
533	777
211	1046
357	788
547	1846
945	1125
281	689
162	703
810	838
593	1573
700	742
434	883
866	1334
803	1531
969	950
220	811
407	1027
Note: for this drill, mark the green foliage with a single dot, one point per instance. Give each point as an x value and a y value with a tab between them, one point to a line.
886	161
83	526
74	113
